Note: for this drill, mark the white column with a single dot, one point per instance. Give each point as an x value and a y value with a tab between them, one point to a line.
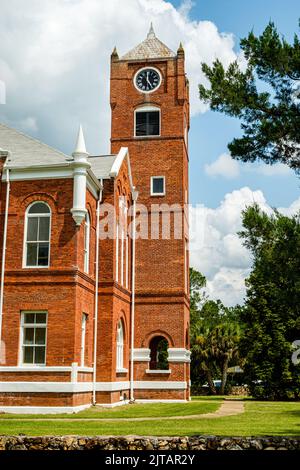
80	167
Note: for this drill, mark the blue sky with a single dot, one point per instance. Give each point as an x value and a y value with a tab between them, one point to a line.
210	132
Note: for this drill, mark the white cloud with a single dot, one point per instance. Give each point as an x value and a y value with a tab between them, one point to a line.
55	58
224	166
215	247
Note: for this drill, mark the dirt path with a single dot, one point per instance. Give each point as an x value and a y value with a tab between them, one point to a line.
227	408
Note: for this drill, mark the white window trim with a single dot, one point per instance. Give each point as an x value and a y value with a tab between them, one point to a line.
158	371
151	186
21	362
122	256
127	265
83	339
120	348
87	231
117	252
24	265
144	109
147	68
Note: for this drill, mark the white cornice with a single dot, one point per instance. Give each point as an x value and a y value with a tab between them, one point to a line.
141	355
179	355
51	172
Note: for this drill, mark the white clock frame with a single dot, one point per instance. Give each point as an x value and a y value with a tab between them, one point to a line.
147	68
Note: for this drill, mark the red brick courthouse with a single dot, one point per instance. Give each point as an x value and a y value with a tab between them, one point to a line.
92	311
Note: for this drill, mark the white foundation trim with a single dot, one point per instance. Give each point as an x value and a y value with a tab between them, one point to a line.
85	369
112	386
160	385
141	355
43	409
113	405
179	355
80	387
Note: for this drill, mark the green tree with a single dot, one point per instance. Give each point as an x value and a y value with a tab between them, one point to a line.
225	347
214	336
271	314
197	295
203	364
271	118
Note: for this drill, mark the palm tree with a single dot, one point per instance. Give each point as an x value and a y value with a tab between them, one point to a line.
202	355
225	340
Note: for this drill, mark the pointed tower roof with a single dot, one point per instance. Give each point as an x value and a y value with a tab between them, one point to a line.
80	144
150	48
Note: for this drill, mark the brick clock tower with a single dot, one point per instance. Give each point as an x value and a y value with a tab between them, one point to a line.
150	115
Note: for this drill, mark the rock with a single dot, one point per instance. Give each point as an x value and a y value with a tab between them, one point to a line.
256	444
133	443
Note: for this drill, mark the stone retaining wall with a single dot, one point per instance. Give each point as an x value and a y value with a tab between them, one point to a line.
148	443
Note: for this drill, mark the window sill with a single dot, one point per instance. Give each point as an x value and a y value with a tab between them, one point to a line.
147	136
158	195
158	371
121	371
35	267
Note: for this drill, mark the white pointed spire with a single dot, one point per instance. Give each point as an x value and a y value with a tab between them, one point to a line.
151	34
80	144
80	168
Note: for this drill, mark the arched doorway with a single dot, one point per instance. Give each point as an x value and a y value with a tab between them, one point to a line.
159	353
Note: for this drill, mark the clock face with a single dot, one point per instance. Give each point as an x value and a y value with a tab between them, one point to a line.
147	80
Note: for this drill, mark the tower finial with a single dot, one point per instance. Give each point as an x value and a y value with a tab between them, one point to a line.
114	54
180	49
80	144
151	34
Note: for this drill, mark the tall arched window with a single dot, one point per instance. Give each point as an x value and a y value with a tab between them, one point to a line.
87	226
37	235
159	353
120	346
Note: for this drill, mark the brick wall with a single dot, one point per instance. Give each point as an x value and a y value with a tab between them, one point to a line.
162	306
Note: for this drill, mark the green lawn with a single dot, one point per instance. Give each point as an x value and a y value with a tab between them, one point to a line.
132	411
260	418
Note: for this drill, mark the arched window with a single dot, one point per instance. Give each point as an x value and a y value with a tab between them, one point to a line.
87	226
120	346
37	235
159	353
147	121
